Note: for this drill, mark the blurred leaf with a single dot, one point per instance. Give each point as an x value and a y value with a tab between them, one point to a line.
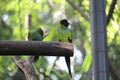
86	63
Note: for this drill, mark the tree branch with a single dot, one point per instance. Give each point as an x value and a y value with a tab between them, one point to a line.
36	48
27	68
111	10
79	10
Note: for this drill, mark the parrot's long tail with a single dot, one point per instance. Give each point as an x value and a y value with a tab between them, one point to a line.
67	59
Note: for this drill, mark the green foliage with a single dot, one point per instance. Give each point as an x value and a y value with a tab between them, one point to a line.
86	63
17	17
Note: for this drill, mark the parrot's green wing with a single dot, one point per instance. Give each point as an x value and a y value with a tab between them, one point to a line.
36	35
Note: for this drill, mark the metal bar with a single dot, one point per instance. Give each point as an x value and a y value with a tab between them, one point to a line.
99	39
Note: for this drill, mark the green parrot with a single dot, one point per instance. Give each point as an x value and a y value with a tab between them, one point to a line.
36	35
65	35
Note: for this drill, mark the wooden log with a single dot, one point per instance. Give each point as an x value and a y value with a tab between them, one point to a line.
35	47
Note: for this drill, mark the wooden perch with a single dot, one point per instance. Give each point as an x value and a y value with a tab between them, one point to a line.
36	47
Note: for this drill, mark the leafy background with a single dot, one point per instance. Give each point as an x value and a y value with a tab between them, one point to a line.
17	17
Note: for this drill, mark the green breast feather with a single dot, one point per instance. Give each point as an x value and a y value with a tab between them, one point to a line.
64	34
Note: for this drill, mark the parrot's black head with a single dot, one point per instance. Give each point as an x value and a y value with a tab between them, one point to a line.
64	22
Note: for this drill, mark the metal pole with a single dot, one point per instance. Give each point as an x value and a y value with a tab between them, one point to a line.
99	39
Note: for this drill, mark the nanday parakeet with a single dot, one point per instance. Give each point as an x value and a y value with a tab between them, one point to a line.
36	35
65	35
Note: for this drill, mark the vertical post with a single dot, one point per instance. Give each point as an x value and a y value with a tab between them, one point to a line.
99	39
